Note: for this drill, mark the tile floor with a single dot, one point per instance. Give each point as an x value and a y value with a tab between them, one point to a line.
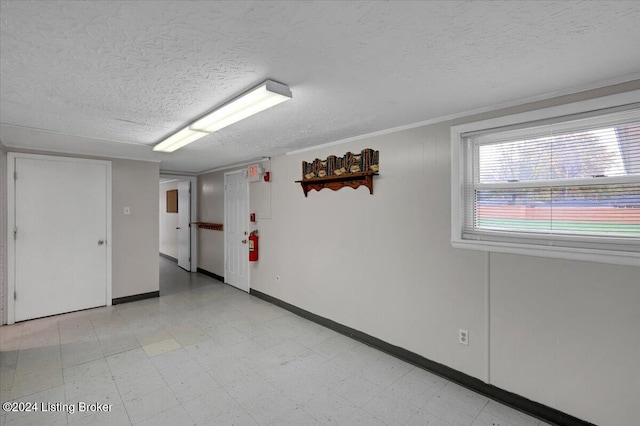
213	355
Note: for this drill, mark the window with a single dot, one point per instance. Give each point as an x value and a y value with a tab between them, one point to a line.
564	183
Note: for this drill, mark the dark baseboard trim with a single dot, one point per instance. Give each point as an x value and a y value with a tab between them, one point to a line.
135	297
211	274
171	258
548	414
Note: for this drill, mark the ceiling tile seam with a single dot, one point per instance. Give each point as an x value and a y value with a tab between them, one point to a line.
55	132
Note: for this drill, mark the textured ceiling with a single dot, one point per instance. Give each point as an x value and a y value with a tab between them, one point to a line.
112	78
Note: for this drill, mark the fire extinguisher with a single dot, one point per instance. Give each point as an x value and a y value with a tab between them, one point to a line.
253	246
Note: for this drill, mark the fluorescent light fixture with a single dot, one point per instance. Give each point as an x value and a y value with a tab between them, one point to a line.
179	139
265	96
258	99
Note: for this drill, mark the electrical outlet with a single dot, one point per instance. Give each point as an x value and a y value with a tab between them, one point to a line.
463	337
277	278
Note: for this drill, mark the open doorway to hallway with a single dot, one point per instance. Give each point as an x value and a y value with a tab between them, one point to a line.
174	279
177	242
175	213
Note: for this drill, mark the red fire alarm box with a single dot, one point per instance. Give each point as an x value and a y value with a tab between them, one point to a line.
255	172
252	217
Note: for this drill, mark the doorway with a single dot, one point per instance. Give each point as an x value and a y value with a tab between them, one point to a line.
59	212
184	225
182	251
175	218
236	229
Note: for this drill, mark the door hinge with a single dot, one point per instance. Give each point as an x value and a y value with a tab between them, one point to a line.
189	259
15	233
15	295
15	174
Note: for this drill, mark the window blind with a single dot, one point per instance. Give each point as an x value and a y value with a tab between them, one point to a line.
571	181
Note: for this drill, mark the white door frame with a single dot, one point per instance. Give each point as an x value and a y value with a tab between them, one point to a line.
184	215
225	222
11	222
194	214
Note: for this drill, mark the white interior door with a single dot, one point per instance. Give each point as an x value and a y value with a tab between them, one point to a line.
236	229
61	229
184	231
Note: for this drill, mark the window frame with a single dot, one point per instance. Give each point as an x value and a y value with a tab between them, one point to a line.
589	252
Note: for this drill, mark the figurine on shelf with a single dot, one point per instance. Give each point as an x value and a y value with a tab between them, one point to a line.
322	171
355	163
339	167
375	159
331	164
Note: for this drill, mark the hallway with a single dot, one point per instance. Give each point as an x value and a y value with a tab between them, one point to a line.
174	279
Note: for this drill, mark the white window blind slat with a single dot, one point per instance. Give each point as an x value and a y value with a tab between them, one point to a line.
568	182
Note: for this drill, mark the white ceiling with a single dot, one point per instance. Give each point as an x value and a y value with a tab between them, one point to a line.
112	78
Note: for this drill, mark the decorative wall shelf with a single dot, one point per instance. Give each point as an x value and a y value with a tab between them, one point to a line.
208	225
353	180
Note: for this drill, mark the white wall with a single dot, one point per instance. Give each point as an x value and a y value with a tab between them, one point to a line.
211	209
562	333
260	196
568	334
168	237
135	236
381	264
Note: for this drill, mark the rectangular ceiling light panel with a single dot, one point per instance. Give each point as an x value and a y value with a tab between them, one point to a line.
179	139
264	96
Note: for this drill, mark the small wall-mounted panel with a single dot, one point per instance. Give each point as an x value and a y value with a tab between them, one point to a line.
172	201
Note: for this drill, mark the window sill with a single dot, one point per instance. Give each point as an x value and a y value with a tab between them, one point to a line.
585	255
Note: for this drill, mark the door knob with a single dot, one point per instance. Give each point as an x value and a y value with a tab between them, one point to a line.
100	242
244	241
178	227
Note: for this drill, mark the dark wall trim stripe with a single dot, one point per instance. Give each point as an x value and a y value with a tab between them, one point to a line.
211	274
548	414
135	297
171	258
